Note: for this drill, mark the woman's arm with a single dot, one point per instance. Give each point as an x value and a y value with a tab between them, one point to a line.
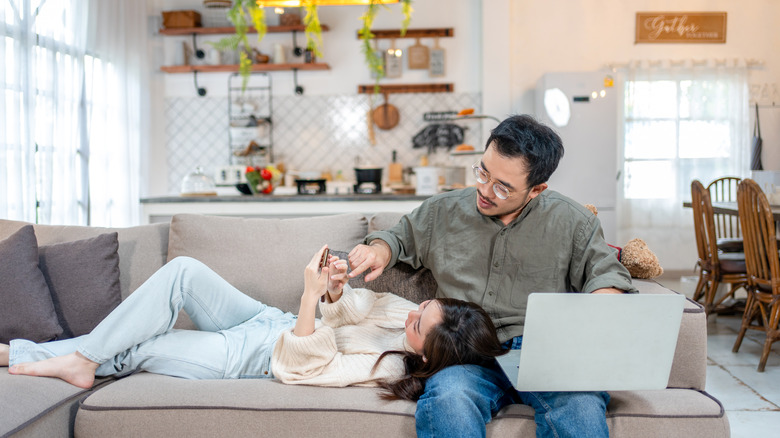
315	286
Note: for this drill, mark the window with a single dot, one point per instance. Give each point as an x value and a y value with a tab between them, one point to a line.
680	123
675	131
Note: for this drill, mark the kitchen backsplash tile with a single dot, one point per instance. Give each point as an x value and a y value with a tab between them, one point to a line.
322	133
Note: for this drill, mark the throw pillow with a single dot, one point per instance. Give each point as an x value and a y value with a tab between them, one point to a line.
416	285
83	277
26	308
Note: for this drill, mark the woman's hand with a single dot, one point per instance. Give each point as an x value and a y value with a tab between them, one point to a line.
315	280
338	278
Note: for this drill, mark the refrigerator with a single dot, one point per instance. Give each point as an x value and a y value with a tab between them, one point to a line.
582	107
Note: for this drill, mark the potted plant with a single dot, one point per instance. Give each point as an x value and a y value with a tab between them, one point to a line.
242	9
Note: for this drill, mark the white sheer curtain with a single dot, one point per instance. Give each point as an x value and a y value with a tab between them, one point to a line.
71	82
40	133
116	90
682	122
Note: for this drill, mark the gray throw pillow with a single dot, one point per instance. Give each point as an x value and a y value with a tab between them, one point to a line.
83	277
26	308
416	285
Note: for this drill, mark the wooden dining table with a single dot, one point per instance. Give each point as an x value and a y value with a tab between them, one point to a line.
732	209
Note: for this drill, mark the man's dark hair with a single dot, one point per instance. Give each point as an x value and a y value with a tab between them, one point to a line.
525	137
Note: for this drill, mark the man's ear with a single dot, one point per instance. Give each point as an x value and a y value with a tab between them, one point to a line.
537	190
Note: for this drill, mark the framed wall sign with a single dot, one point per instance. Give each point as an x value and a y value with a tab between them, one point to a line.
680	27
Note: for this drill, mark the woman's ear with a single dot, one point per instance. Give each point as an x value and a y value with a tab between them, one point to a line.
425	359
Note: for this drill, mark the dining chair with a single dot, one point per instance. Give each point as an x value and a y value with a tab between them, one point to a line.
727	228
715	266
762	309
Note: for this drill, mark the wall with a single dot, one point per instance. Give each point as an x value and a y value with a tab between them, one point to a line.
190	131
582	35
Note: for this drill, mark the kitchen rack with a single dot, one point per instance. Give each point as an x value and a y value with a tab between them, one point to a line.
250	104
232	68
406	88
411	33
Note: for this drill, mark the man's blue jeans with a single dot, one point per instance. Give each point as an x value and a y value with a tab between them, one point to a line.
460	400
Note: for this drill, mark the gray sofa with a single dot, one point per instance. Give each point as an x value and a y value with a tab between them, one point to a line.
265	258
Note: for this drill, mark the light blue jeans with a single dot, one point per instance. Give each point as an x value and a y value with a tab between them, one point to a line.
235	337
460	400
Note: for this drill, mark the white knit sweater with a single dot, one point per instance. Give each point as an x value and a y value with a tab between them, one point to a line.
346	343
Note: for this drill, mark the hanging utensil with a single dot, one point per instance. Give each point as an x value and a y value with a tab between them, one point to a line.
436	60
418	56
386	116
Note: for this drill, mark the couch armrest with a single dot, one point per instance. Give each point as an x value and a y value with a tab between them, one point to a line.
689	369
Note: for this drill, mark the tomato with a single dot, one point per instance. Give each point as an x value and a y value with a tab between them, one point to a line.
250	169
268	189
265	174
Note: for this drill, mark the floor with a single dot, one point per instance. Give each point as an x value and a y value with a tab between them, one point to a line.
751	399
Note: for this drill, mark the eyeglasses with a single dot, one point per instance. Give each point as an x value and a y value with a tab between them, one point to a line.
483	178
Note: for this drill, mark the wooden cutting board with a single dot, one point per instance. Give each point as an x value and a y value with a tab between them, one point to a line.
418	56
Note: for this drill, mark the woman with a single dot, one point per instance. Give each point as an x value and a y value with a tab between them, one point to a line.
364	338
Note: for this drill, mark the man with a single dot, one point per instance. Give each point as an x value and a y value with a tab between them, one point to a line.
494	245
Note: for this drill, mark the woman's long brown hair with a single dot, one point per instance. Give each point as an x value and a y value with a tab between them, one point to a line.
466	335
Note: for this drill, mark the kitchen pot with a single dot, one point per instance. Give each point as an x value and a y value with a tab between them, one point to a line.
371	176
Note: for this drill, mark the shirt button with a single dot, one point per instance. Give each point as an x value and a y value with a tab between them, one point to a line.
490	293
495	264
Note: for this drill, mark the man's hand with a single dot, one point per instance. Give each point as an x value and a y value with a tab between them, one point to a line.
374	256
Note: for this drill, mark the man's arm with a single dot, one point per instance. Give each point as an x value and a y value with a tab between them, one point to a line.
608	290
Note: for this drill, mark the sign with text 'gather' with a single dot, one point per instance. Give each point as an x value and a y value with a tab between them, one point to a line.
680	27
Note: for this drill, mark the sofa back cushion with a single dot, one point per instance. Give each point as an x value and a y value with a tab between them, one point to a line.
26	307
264	258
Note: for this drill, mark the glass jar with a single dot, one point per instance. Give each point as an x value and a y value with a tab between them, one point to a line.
198	183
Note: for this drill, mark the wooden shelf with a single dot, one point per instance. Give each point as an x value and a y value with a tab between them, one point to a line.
234	67
412	33
229	30
408	88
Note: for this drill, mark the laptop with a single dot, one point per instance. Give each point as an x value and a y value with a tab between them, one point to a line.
596	342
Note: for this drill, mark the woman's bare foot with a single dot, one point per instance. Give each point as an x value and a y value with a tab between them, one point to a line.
72	368
4	355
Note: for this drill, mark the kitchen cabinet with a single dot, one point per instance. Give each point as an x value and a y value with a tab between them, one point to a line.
161	209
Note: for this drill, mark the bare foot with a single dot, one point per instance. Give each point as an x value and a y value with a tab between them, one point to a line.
4	355
72	368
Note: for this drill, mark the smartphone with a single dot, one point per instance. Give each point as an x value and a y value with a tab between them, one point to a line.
324	261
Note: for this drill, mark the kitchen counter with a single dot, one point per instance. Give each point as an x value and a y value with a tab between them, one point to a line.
161	209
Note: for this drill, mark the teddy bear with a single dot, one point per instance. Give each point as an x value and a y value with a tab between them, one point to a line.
640	261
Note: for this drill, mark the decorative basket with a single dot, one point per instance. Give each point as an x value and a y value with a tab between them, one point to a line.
178	19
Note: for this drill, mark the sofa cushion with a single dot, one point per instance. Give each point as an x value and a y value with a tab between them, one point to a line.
264	258
154	405
83	277
26	307
37	406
